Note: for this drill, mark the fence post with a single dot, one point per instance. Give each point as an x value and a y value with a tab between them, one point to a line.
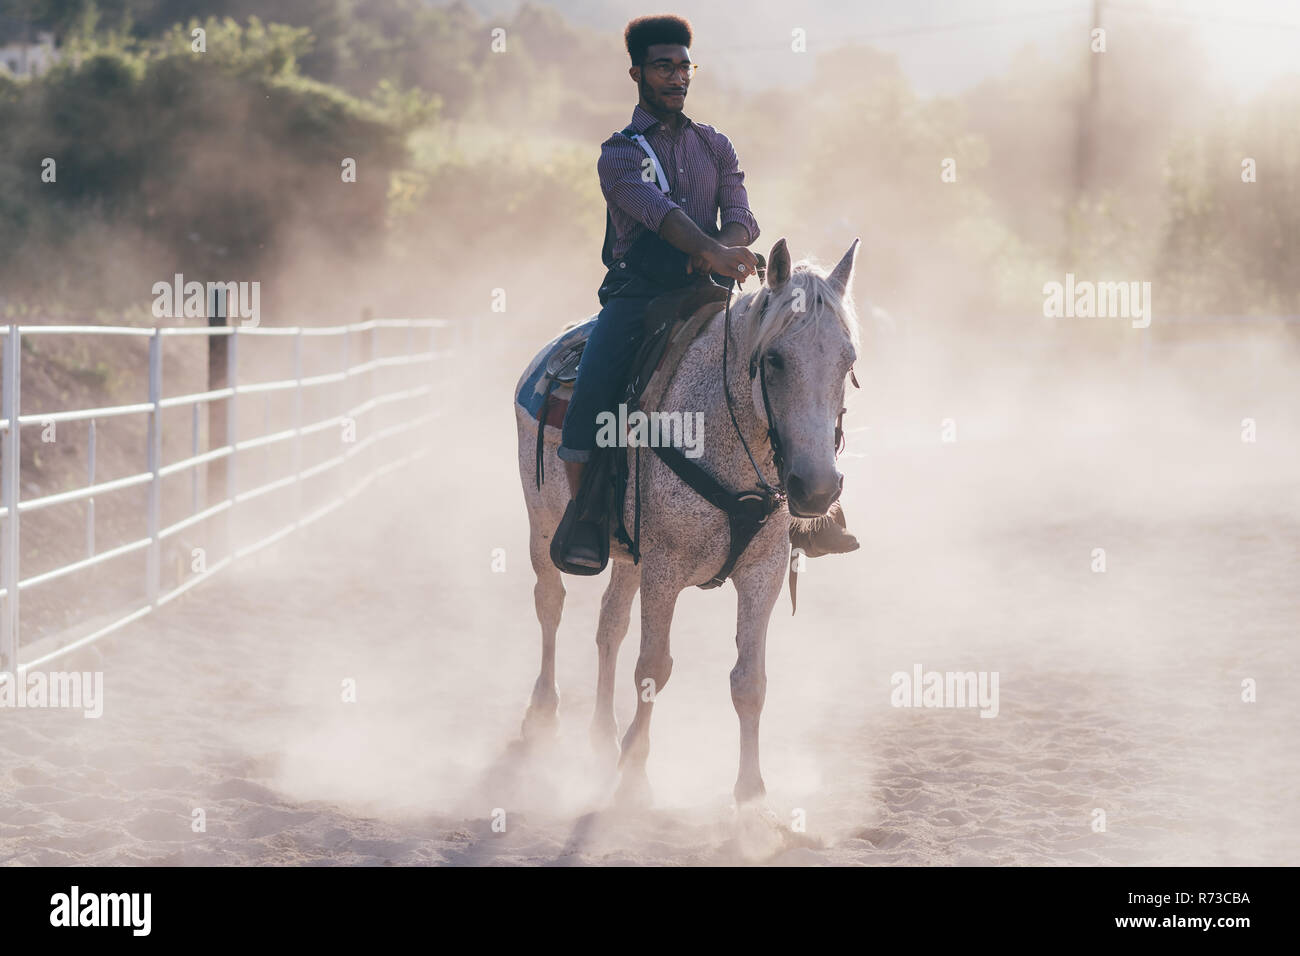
267	454
371	417
153	564
347	414
90	481
409	376
218	361
297	427
232	433
9	487
441	395
194	451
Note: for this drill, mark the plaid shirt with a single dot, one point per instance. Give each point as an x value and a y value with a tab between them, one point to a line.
703	174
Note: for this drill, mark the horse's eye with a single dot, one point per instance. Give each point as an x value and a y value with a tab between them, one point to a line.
775	361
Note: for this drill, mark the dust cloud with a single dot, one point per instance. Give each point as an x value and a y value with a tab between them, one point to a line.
1106	517
1120	690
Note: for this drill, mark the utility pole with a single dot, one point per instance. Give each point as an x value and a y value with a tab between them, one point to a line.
1085	147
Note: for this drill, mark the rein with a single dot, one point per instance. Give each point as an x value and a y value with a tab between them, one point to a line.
773	438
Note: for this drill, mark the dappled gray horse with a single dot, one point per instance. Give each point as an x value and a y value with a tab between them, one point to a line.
790	346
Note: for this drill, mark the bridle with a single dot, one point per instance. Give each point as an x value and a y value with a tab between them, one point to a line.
747	511
758	367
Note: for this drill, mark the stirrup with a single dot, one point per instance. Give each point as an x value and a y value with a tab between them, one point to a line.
563	537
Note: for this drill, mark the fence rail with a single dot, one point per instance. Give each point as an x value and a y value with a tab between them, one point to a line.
416	404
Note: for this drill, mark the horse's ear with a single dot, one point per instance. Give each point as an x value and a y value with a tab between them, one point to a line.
842	274
778	264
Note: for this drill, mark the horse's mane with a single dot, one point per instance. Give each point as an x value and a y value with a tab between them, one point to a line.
776	314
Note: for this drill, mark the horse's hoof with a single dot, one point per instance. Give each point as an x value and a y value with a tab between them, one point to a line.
540	725
760	833
634	792
604	744
750	791
541	720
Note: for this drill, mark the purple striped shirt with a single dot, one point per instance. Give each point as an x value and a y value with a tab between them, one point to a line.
703	173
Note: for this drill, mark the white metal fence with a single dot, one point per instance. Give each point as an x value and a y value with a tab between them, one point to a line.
414	406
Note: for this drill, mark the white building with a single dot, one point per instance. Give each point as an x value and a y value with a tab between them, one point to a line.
23	57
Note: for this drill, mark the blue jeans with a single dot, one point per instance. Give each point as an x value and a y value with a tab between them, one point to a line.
602	373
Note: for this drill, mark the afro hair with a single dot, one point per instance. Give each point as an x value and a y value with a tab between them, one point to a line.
644	32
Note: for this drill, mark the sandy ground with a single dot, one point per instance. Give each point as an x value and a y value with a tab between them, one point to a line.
1119	691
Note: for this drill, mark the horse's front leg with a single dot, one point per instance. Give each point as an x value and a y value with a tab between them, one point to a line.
654	665
615	615
757	589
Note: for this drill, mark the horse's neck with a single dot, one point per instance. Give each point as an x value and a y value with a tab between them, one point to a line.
697	387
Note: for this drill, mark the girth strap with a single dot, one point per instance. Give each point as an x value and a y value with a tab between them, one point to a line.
746	512
541	431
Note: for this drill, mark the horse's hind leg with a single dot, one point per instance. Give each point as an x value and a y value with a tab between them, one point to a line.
615	615
548	597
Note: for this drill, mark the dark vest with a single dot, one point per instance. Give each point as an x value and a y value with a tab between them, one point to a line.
650	266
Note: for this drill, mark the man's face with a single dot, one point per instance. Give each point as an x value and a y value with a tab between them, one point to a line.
662	87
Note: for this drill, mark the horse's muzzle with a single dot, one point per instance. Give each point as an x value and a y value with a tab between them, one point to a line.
809	500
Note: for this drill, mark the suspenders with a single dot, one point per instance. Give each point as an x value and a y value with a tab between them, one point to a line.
607	250
659	170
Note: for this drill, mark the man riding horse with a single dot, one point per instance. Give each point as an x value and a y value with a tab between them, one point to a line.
666	179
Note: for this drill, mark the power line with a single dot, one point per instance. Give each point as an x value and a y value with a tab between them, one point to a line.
1148	11
843	38
1082	12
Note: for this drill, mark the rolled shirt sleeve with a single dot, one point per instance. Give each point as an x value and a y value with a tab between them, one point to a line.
733	200
619	168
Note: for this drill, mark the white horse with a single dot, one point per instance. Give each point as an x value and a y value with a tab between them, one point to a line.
800	333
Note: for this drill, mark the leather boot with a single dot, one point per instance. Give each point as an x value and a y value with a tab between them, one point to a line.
830	537
575	548
584	545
